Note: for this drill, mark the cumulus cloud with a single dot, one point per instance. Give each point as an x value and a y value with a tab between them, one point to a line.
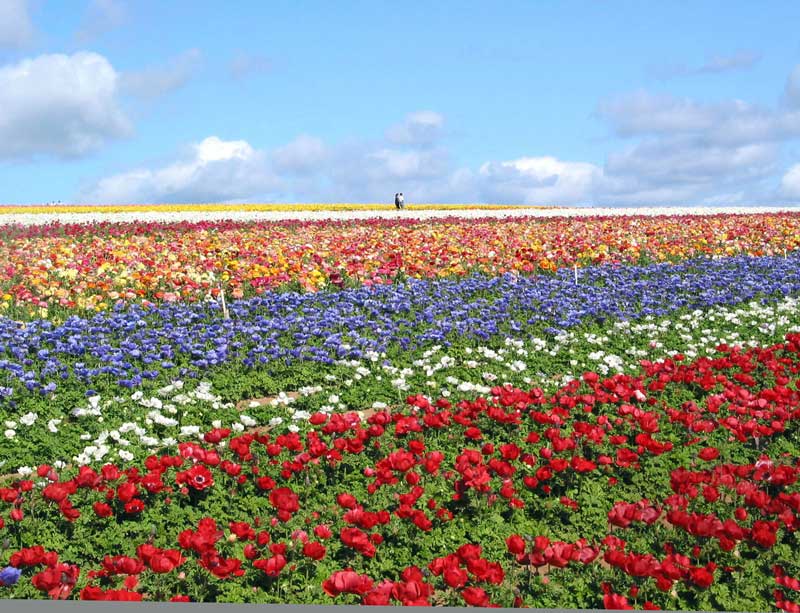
675	151
16	28
420	128
790	183
62	105
157	81
733	122
679	171
691	151
538	180
214	170
101	16
302	156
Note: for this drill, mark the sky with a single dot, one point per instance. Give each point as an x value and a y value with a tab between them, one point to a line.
603	103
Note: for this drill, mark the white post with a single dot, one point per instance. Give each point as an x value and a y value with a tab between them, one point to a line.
225	313
576	274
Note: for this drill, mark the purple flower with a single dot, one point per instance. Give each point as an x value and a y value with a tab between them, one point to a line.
9	576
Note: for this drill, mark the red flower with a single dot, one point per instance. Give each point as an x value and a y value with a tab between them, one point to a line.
455	577
708	454
273	566
216	435
355	538
475	596
347	501
764	534
197	477
314	550
346	582
701	577
615	601
265	483
134	506
30	556
285	501
515	544
57	581
122	565
127	491
164	561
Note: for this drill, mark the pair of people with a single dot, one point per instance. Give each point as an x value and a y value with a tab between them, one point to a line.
399	203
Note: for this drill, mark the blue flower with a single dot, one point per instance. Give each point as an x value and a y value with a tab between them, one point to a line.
9	576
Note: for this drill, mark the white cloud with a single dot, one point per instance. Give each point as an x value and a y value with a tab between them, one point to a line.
160	80
680	151
731	122
101	16
538	180
420	128
60	105
16	28
790	184
303	155
213	171
693	162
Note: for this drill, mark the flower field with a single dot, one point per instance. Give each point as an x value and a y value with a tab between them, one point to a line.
534	411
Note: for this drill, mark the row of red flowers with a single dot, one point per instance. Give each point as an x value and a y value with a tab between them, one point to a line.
676	488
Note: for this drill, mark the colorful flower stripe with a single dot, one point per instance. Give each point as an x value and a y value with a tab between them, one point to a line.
286	341
91	267
205	208
674	489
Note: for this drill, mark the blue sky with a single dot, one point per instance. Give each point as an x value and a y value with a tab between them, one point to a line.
534	102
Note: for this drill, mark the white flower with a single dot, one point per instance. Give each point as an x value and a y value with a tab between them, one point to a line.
125	455
275	421
29	418
247	420
24	471
52	425
10	433
294	428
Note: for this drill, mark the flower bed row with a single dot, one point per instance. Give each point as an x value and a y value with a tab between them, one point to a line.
674	488
60	268
125	382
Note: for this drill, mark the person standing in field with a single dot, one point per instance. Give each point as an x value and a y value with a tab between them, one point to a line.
397	201
400	201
